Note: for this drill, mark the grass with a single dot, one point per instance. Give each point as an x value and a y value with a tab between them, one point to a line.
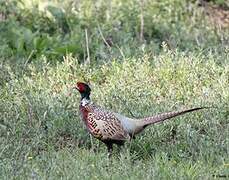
181	62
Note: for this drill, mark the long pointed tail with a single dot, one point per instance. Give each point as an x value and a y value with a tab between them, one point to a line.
163	116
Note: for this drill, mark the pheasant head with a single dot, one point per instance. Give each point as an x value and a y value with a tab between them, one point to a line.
83	89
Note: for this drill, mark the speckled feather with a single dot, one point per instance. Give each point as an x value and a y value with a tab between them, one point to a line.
102	124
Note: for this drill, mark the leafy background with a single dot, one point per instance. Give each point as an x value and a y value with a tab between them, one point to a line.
140	58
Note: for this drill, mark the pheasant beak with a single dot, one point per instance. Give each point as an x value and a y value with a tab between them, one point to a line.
75	87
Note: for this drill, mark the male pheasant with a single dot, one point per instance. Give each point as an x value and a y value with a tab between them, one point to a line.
113	128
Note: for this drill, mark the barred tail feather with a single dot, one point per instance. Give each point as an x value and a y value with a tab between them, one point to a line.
164	116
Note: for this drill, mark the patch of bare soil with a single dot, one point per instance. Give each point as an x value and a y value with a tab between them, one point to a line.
218	15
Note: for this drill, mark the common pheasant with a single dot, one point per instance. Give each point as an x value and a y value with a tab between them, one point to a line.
113	128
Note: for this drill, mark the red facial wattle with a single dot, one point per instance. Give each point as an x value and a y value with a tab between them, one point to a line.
80	87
